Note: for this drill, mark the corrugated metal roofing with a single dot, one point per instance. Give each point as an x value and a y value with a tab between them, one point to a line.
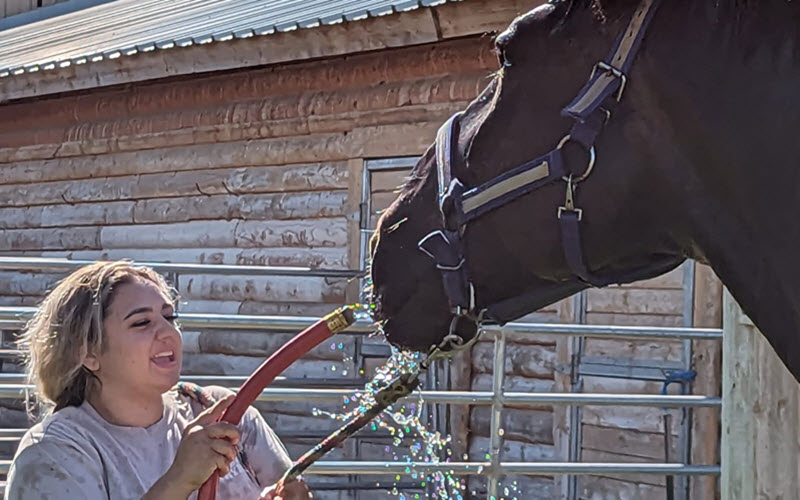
103	29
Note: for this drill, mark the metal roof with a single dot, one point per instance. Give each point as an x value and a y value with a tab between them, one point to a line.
86	31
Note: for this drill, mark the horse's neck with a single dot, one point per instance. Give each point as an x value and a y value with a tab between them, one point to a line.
734	117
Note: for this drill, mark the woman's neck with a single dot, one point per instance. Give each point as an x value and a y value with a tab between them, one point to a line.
127	411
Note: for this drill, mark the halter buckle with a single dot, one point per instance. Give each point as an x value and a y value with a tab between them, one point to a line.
569	202
604	66
449	346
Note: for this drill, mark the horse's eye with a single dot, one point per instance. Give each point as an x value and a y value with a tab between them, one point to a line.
502	56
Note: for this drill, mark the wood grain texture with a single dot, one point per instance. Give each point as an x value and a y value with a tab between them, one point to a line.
707	361
760	415
414	27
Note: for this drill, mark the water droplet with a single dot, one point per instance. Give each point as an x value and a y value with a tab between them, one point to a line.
404	421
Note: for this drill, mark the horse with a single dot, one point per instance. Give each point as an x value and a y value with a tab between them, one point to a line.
688	153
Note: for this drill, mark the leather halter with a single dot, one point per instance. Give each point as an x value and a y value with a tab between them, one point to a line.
460	206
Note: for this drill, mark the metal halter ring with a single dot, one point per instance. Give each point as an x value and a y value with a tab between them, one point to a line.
589	167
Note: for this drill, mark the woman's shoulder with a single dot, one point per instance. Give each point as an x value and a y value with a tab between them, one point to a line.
61	440
69	429
55	459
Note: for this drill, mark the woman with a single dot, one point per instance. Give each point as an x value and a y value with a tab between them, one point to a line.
105	353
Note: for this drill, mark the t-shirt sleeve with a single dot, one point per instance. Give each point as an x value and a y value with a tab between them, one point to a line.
265	453
53	470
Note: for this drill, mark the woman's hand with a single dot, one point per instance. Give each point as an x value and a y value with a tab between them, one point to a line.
207	446
294	490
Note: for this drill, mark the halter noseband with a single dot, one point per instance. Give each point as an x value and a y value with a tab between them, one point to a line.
460	206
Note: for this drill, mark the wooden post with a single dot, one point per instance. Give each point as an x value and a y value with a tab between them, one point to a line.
563	383
355	181
760	415
706	359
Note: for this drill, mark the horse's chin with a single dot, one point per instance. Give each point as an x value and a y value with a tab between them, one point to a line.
412	321
421	337
417	338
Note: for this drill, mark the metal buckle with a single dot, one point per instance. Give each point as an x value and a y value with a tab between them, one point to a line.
607	113
569	202
578	211
399	388
614	71
449	346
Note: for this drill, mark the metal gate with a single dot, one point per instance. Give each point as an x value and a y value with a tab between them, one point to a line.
13	386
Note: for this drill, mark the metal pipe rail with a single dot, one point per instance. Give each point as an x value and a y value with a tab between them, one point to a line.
352	384
64	265
469	468
608	331
520	468
16	317
273	394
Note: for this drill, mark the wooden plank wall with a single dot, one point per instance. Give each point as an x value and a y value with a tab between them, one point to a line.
253	167
618	434
10	8
250	168
13	7
761	415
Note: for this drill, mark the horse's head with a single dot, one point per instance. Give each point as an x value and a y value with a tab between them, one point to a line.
514	253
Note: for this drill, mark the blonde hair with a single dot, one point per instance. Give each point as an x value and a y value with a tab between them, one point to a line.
68	326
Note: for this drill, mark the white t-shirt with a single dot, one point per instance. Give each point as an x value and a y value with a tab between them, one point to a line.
75	454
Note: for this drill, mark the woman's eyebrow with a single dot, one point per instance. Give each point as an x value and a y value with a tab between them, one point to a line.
137	311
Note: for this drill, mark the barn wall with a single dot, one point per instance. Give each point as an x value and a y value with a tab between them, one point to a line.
254	167
10	8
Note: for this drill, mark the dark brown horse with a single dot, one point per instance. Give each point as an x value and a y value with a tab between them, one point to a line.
700	159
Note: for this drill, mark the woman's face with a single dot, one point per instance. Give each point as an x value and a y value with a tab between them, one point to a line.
142	354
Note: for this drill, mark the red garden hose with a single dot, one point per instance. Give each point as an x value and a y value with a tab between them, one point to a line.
290	352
